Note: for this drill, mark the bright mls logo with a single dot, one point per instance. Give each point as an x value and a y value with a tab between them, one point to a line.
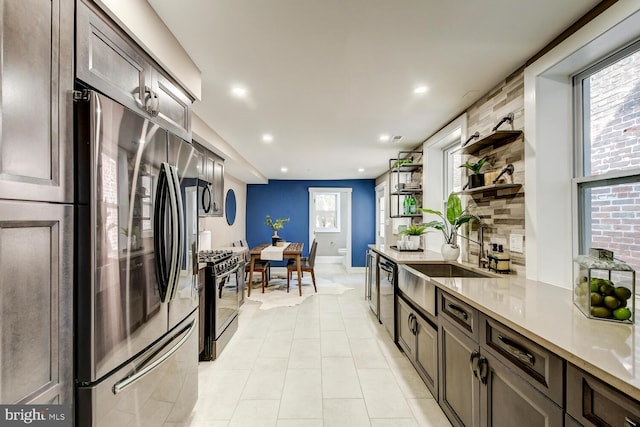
36	415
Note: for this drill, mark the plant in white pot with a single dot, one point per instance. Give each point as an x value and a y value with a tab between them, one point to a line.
414	233
449	226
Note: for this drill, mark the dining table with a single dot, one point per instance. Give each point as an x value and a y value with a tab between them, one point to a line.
292	251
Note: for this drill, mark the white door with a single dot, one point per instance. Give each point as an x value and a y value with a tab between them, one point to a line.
381	213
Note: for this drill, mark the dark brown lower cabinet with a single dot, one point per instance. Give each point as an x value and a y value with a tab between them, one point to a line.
508	400
459	387
477	389
593	403
418	338
570	422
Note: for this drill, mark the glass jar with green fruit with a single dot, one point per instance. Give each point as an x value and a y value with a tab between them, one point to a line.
604	288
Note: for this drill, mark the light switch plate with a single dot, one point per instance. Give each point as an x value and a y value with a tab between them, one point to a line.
516	243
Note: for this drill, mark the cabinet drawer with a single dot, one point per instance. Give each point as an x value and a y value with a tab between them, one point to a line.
593	403
540	367
460	314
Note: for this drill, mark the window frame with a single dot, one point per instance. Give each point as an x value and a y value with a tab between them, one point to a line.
449	170
338	227
583	180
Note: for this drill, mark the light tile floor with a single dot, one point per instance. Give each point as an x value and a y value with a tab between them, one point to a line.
325	362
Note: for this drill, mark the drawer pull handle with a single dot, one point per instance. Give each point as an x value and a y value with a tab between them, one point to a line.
630	423
518	351
458	312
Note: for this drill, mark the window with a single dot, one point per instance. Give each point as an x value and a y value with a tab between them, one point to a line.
607	97
452	172
327	212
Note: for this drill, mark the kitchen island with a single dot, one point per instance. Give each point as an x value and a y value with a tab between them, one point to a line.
546	315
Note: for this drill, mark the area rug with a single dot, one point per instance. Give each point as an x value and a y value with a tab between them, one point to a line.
275	295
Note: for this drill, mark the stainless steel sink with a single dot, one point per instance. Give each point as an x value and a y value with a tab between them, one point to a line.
447	270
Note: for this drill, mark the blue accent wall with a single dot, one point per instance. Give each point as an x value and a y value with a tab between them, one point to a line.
290	199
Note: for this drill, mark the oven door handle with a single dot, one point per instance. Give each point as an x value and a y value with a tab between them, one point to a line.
228	273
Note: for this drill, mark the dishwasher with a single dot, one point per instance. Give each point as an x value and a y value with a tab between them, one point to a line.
387	274
371	283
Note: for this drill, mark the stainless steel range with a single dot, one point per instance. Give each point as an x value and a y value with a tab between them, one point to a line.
224	280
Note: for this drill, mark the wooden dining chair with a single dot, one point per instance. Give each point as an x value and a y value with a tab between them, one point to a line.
306	264
259	266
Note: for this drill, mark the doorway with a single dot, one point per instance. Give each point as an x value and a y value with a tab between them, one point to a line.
381	213
330	224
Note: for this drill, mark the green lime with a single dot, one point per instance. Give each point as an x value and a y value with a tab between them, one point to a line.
606	289
596	299
611	302
595	284
600	312
622	293
622	313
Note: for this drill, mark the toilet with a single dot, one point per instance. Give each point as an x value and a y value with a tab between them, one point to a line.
343	254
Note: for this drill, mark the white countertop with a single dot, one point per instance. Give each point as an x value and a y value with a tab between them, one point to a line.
546	314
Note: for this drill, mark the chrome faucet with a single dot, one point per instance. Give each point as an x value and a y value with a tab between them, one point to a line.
481	258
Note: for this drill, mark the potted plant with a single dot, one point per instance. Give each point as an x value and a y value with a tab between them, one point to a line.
276	225
413	233
476	179
449	226
400	162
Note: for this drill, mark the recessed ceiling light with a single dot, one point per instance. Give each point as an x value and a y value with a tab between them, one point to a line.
267	137
420	90
360	170
384	137
239	91
284	169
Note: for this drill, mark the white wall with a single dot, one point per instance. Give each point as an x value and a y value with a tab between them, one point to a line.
550	221
223	234
433	196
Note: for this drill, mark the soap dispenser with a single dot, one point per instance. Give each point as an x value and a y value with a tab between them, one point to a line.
498	259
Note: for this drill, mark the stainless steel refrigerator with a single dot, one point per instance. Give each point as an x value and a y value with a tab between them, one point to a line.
136	292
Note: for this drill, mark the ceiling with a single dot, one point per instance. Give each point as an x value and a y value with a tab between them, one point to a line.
326	78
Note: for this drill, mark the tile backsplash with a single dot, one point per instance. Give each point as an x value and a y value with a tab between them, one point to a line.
502	211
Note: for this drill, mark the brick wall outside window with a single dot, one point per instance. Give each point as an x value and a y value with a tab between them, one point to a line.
615	145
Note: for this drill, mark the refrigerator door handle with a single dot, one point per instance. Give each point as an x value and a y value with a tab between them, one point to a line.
159	233
147	369
177	227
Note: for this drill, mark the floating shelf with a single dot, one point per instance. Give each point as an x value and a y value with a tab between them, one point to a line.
406	192
497	138
417	215
407	167
491	187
